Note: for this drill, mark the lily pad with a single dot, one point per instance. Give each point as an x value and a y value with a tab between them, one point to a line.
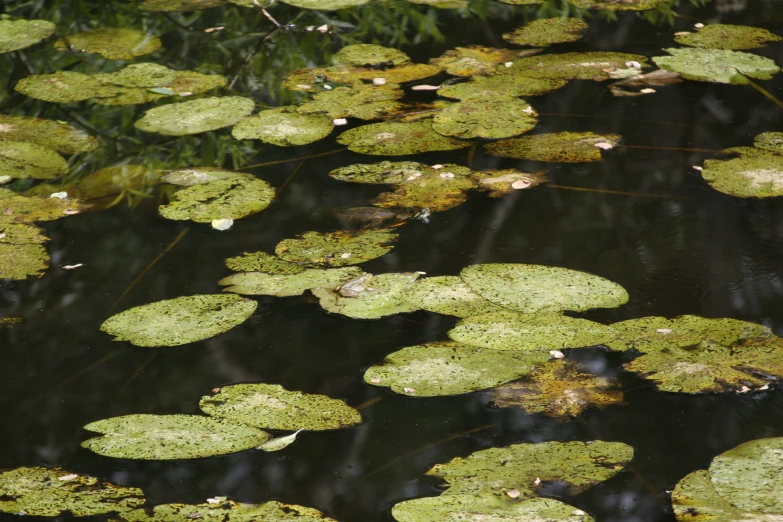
475	60
139	75
724	36
170	437
220	509
284	127
500	85
754	173
371	55
103	183
566	147
499	183
597	66
65	87
448	295
449	507
694	499
547	31
539	288
615	5
111	42
449	368
19	34
21	252
485	118
325	5
316	79
182	83
363	102
382	297
271	406
259	283
20	159
397	139
51	134
196	116
717	65
340	248
229	198
15	208
772	141
44	492
436	190
189	176
264	263
183	320
179	5
384	172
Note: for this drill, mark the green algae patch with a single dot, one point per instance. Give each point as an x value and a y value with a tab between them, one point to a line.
170	437
114	43
19	34
223	510
450	296
562	147
183	320
398	139
448	507
540	288
264	263
499	183
259	283
230	198
283	127
717	65
547	31
325	5
339	248
725	36
371	298
754	173
15	208
54	135
558	389
177	6
360	101
491	118
597	66
22	253
45	492
526	467
27	160
475	60
370	55
65	87
615	5
500	85
196	116
271	406
449	368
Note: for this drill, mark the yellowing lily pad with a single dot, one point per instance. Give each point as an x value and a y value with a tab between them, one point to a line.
615	5
108	182
263	262
15	208
230	198
283	285
65	87
283	127
596	66
753	173
485	118
476	60
273	407
113	43
499	183
772	141
196	116
500	85
359	101
183	320
725	36
371	55
20	159
397	139
340	248
448	507
548	31
51	134
21	252
448	295
717	65
19	34
566	147
223	510
378	297
170	437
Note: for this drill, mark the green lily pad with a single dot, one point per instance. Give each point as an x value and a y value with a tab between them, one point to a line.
596	66
371	55
170	437
498	183
44	492
381	296
273	407
189	176
259	283
183	320
195	116
448	295
485	118
220	509
325	5
522	2
500	85
476	60
558	389
183	83
363	102
539	288
229	198
547	31
113	43
717	65
530	332
384	172
65	87
27	160
397	139
694	499
436	189
179	5
772	141
338	248
15	208
566	147
614	5
449	507
449	368
442	4
526	467
724	36
284	127
19	34
754	173
54	135
263	262
21	252
316	79
139	75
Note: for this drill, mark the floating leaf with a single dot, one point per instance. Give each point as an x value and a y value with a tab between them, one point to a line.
139	75
382	297
772	141
43	492
449	507
229	198
325	5
18	34
179	5
111	42
65	87
522	2
596	66
717	65
21	252
15	208
220	509
566	147
694	499
316	79
500	85
54	135
183	320
263	262
448	295
189	176
501	182
539	288
724	36
485	118
363	102
548	31
755	173
259	283
28	160
103	183
442	4
371	55
475	60
271	406
195	116
279	443
615	5
182	83
338	248
170	437
397	139
449	368
384	172
283	127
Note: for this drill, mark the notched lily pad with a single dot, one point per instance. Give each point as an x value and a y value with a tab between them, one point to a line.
15	208
65	87
22	253
264	263
485	118
259	283
596	66
398	139
196	116
476	60
717	65
448	295
229	198
566	147
547	31
19	34
475	507
223	510
370	55
283	127
19	159
369	299
338	248
114	43
498	183
500	85
59	137
725	36
753	173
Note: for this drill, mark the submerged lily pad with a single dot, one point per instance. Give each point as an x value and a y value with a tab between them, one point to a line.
370	55
566	147
378	297
170	437
596	66
114	43
15	208
21	252
182	320
51	134
448	295
103	183
229	198
19	34
500	85
475	60
397	139
485	118
264	263
338	248
223	510
65	87
359	101
449	507
273	407
539	288
27	160
283	127
754	173
8	322
725	36
195	116
548	31
259	283
325	5
44	492
717	65
498	183
617	5
449	368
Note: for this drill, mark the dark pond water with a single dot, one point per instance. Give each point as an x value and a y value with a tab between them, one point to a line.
645	219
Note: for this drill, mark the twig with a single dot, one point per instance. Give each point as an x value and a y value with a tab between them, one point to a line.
278	162
616	192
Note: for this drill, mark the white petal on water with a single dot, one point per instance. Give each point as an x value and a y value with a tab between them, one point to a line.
59	195
222	224
340	121
379	81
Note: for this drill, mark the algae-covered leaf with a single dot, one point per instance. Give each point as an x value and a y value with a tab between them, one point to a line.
139	75
772	141
325	5
19	159
617	5
18	34
359	101
717	65
65	87
189	176
316	79
547	31
114	43
566	147
15	208
596	66
381	297
141	83
436	189
442	4
279	443
449	368
179	5
725	36
229	198
51	134
384	172
44	492
22	253
500	85
263	262
449	507
182	320
527	467
170	437
338	248
397	139
754	173
476	60
540	288
498	183
371	55
283	127
485	118
271	406
220	509
448	295
694	499
283	285
195	116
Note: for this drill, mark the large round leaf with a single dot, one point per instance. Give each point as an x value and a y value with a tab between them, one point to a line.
378	297
485	118
500	85
725	36
750	476
284	127
195	116
717	65
448	295
565	147
263	262
230	198
370	55
65	87
28	160
282	285
694	498
475	60
338	248
18	34
51	134
397	139
450	508
754	173
596	66
113	43
358	101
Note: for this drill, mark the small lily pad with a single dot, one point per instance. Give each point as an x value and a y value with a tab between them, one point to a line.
500	85
363	102
499	183
449	507
384	172
725	36
325	5
259	283
196	116
614	5
229	198
566	147
264	263
189	176
19	34
65	87
436	190
284	127
548	31
271	406
27	160
362	55
170	437
111	42
22	253
183	320
51	134
717	65
485	118
223	510
475	60
382	297
15	208
340	248
397	139
139	75
448	295
754	173
596	66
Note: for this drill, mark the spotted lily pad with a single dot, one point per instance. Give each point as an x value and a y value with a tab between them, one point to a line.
139	75
370	55
436	189
363	102
475	60
325	5
617	5
338	248
170	437
65	87
182	320
596	66
753	173
20	159
15	208
500	85
111	42
259	283
177	83
317	79
717	65
384	172
448	295
284	127
196	116
378	297
53	135
264	263
498	183
566	147
230	198
772	141
725	36
485	118
22	253
189	176
397	139
548	31
179	5
273	407
19	34
223	510
44	492
449	507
